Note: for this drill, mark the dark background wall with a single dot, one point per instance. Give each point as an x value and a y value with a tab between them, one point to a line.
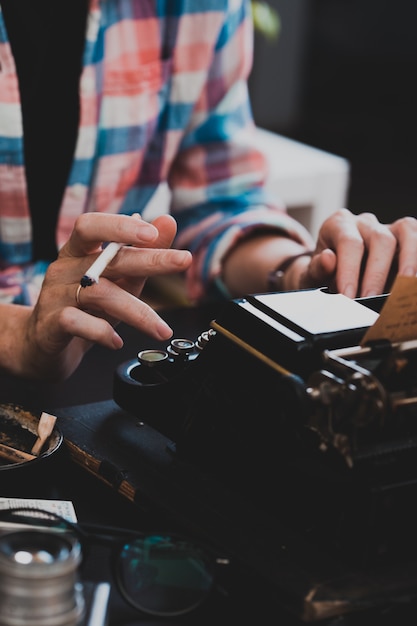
341	77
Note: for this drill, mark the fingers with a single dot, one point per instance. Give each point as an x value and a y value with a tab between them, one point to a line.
379	255
77	323
321	271
110	302
67	319
365	251
144	262
129	269
167	229
115	296
92	229
116	300
65	311
405	233
341	234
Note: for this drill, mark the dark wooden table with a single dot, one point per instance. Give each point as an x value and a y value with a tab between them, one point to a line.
246	597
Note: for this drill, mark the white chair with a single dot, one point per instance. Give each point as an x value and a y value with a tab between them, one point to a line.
312	183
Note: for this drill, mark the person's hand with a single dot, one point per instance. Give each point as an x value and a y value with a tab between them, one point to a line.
359	256
60	330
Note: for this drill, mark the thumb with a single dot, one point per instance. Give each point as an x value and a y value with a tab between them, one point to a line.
167	228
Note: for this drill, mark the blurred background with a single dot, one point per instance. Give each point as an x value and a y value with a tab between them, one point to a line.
341	77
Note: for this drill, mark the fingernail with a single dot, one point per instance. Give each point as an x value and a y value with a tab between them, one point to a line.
117	341
350	291
163	330
182	257
147	232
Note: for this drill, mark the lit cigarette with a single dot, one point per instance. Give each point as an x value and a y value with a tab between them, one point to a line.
97	268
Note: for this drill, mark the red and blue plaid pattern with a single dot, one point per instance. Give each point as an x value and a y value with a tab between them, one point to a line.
163	97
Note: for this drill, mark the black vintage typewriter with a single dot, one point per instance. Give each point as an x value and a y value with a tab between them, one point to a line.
279	400
282	434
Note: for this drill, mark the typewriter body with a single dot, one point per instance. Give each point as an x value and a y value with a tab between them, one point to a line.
281	401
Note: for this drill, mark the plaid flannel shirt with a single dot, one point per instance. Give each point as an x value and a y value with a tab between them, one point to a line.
163	97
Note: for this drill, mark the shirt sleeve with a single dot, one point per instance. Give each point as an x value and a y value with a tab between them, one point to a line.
218	177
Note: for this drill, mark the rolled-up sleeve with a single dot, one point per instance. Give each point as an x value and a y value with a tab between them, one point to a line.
218	177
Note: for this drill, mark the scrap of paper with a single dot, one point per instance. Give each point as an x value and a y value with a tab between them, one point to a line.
64	508
317	311
397	320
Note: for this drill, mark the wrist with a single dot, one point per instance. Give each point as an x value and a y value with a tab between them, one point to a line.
280	279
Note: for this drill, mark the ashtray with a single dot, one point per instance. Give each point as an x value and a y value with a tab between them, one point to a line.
19	429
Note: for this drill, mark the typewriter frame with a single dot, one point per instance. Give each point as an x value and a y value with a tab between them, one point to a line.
348	492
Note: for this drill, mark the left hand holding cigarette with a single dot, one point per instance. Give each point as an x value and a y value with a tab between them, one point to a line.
68	319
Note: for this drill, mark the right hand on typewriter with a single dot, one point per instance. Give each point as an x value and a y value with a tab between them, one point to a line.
359	256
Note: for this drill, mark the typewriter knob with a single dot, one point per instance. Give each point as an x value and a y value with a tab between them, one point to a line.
150	358
181	348
204	338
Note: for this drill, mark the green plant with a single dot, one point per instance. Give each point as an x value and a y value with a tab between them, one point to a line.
266	20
